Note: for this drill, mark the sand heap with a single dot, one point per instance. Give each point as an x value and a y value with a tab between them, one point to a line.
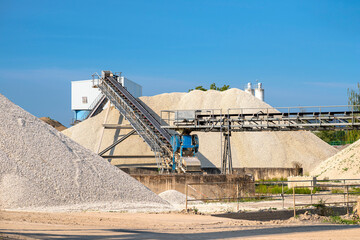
42	169
260	149
345	164
55	124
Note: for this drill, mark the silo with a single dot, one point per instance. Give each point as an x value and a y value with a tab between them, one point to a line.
259	92
249	89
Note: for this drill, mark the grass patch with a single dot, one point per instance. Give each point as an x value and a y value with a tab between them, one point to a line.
353	191
336	190
339	220
277	189
255	199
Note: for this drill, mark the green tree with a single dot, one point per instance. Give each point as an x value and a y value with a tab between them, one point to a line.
224	88
200	88
354	100
354	97
348	136
212	87
331	136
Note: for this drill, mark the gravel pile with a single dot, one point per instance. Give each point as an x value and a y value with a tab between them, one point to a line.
249	149
174	197
345	164
42	169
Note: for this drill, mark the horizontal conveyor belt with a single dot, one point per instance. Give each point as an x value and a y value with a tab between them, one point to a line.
232	115
205	120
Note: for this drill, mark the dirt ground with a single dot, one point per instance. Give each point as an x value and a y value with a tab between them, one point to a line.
115	225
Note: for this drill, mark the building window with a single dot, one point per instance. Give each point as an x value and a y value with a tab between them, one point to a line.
84	100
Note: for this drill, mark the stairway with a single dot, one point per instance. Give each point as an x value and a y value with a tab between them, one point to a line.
99	104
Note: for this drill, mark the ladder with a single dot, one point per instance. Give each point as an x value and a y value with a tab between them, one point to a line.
146	126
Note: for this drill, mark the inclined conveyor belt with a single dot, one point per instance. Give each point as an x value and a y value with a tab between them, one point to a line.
137	106
143	122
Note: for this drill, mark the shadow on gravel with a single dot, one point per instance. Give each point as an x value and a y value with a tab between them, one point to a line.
127	234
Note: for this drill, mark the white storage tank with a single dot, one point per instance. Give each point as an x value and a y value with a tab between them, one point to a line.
249	89
259	92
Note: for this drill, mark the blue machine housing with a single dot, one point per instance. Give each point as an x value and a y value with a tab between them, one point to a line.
184	142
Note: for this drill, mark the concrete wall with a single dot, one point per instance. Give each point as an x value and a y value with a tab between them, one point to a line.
257	173
227	184
269	173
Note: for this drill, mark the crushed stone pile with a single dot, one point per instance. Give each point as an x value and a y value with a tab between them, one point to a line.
345	164
174	197
249	149
43	170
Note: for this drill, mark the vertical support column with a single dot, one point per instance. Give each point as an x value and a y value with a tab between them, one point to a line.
186	194
294	201
226	165
282	194
347	199
237	196
103	129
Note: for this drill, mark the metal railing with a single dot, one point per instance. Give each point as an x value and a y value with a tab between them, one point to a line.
317	188
346	193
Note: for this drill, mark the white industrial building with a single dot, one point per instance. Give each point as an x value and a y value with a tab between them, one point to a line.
84	96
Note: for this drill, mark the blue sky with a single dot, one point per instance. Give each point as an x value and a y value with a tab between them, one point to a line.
304	52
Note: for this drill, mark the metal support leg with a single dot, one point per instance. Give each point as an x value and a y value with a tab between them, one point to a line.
226	166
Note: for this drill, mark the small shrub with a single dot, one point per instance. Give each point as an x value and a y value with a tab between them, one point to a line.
336	190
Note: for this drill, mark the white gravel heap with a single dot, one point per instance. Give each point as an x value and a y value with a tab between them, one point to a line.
345	164
42	169
174	197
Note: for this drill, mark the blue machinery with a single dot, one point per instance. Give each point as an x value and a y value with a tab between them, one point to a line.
185	147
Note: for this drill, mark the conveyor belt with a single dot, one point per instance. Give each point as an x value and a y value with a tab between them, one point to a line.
146	115
266	121
146	125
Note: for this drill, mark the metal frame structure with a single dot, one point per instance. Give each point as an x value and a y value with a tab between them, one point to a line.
261	119
267	119
116	143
